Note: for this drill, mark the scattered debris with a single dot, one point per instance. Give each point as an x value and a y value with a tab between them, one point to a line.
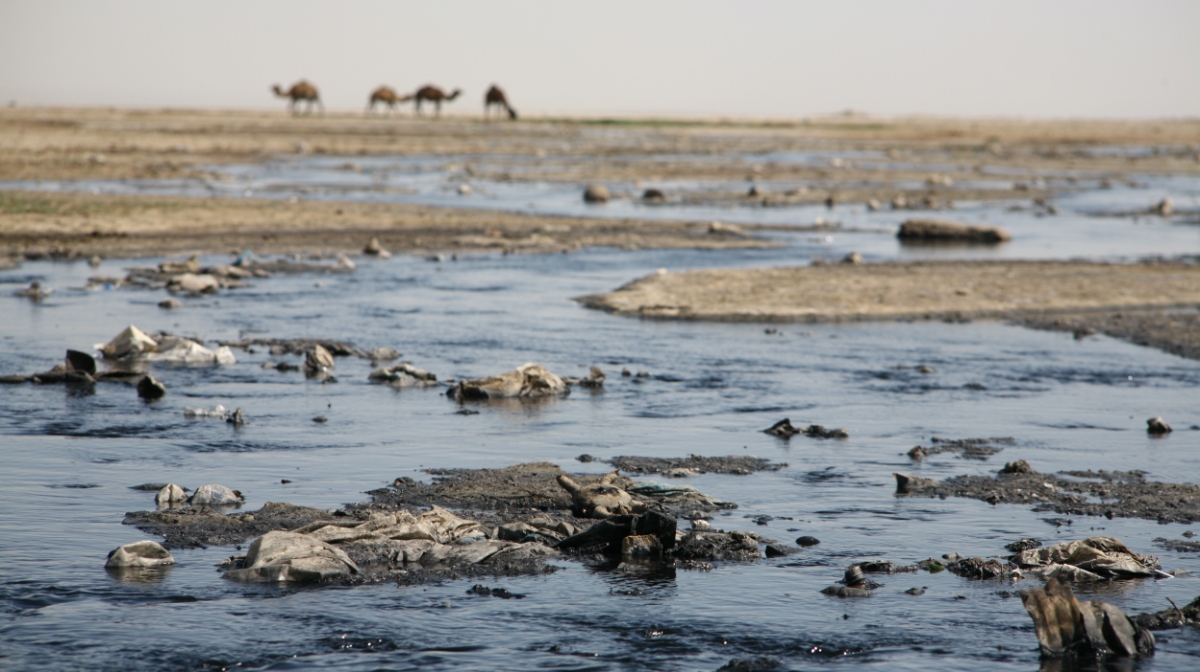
594	379
403	375
973	449
170	303
318	361
139	555
1168	619
1095	558
170	494
784	430
739	465
527	381
34	292
288	556
1069	627
215	495
374	249
1023	545
599	500
298	346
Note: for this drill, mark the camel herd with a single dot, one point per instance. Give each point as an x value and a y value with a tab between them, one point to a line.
304	92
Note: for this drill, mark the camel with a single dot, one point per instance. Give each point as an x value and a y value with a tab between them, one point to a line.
495	96
301	90
434	95
387	96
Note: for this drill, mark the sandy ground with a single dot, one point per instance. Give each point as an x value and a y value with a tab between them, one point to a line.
1074	296
41	224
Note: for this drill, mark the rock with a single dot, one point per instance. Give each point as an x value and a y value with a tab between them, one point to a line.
1066	626
718	546
915	591
926	369
595	379
873	205
527	381
599	500
777	551
1023	545
318	361
641	547
932	230
95	260
140	554
34	291
373	248
807	541
383	355
237	418
846	591
1157	426
701	524
218	411
852	258
170	303
287	556
149	388
170	494
1017	467
978	568
130	342
654	195
906	484
1164	208
216	495
610	532
191	283
596	193
80	361
586	458
720	228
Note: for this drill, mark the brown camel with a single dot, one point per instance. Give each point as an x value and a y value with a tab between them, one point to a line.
434	95
301	90
495	96
386	95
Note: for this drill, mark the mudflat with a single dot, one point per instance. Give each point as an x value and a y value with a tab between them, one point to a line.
35	224
904	291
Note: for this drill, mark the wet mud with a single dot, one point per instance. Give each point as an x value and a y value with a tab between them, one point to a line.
1112	494
1174	331
201	527
693	464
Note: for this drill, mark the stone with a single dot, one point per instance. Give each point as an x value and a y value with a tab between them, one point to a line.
1017	467
216	495
939	231
596	193
170	303
1157	426
373	248
527	381
403	375
906	484
81	361
852	258
150	389
281	556
318	360
654	195
641	547
192	265
383	355
170	494
777	551
140	554
1164	208
807	541
594	380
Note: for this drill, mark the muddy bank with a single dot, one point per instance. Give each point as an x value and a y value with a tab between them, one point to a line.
1175	331
200	527
1113	494
41	224
903	291
694	464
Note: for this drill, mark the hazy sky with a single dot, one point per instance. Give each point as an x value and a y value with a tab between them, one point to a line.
750	58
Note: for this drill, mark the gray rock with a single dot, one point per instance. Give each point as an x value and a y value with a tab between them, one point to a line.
150	389
216	495
170	494
170	303
935	231
528	381
318	360
1157	426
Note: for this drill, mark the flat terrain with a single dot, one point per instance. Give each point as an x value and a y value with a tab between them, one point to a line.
917	290
36	224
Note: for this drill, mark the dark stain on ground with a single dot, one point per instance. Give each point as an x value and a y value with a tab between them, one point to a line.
733	464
